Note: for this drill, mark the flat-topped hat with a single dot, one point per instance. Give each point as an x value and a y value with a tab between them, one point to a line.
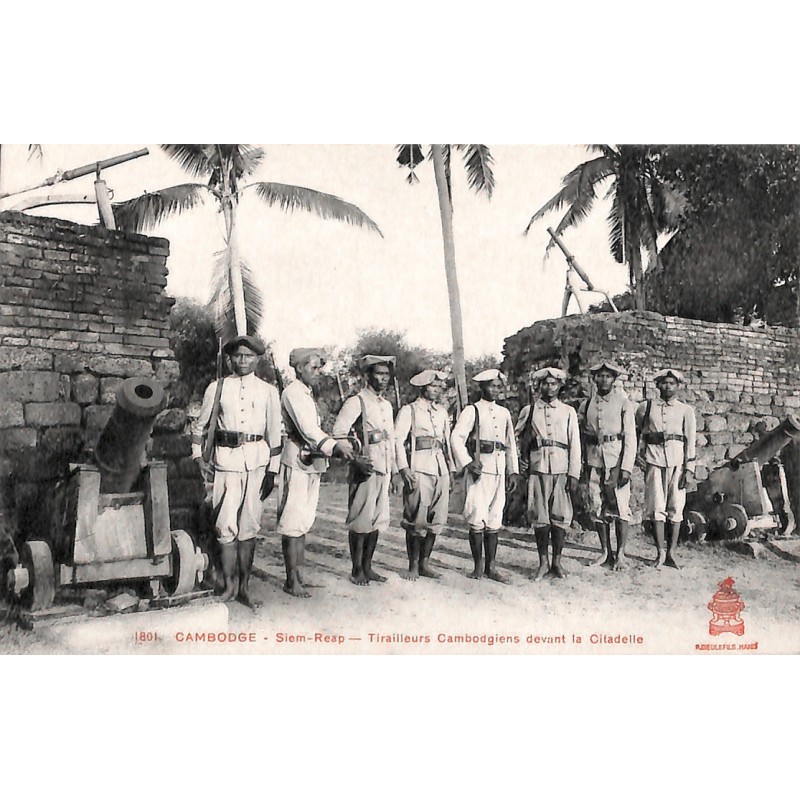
611	366
550	372
301	355
669	372
427	376
489	375
252	342
371	360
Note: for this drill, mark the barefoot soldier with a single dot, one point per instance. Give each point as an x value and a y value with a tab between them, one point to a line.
483	442
422	444
608	429
370	415
667	427
246	450
554	460
304	459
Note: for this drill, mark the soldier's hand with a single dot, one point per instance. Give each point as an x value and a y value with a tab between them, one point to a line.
267	485
396	483
475	468
344	450
572	483
683	480
639	461
513	483
409	479
206	470
624	477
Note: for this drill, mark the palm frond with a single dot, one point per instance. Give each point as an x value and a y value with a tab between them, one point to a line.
327	206
409	156
148	210
478	163
221	302
615	233
577	189
199	160
245	158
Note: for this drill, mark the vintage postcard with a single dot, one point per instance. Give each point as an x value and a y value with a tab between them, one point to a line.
399	399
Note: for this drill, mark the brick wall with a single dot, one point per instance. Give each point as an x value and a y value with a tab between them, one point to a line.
736	377
81	308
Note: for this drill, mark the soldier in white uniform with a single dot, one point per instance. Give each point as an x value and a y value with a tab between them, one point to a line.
422	446
608	430
247	446
370	415
550	430
483	442
668	428
304	459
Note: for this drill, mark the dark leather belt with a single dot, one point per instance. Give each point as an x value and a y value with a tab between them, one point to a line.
593	438
490	447
549	443
427	443
658	437
235	438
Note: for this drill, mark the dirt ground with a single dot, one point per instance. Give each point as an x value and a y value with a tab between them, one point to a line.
593	610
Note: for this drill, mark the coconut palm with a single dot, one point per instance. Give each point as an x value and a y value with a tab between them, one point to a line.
478	164
236	300
642	204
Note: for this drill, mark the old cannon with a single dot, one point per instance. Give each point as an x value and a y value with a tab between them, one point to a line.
747	496
110	519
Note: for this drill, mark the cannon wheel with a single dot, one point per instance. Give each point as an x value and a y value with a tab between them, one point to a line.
184	565
38	559
696	525
736	520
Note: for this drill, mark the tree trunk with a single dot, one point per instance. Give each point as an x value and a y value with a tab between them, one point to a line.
235	277
456	327
634	258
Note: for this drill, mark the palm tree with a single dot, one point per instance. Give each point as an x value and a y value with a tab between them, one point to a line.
236	300
643	205
478	164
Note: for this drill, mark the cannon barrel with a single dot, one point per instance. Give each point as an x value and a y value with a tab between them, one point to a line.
123	441
770	444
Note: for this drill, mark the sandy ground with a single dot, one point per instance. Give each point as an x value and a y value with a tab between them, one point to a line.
642	610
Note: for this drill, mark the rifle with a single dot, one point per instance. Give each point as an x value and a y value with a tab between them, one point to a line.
211	430
278	376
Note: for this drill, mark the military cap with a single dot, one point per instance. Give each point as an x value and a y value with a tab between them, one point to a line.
300	355
669	372
427	376
611	366
550	372
370	361
252	342
489	375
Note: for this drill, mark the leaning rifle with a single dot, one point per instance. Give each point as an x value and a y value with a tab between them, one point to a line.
211	430
278	376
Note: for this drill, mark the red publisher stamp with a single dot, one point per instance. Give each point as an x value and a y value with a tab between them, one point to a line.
726	606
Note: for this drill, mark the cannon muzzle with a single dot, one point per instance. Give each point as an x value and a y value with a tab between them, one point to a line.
770	444
123	441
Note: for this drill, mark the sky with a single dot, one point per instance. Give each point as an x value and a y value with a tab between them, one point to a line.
324	281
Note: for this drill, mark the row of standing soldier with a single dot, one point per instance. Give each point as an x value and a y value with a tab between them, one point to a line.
261	438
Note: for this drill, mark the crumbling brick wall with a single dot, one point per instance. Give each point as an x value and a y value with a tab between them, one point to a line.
81	309
737	378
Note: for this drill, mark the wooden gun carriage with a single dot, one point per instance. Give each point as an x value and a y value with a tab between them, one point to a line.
111	518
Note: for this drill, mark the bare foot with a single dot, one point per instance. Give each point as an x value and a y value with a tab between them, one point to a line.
659	561
494	575
544	568
621	562
670	561
603	560
427	572
477	573
231	590
296	589
358	577
245	599
371	575
411	574
557	571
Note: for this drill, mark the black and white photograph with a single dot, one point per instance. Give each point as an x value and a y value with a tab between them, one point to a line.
422	399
